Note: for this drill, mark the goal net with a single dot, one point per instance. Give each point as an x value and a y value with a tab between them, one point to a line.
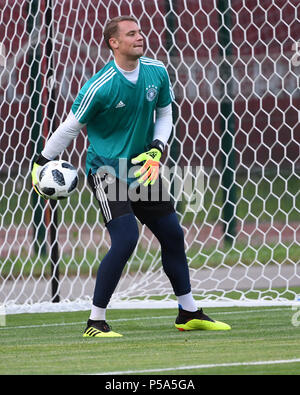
231	165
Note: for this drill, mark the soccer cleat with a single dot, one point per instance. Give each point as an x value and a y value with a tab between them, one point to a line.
190	321
99	329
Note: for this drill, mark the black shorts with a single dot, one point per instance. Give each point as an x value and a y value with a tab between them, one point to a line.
116	198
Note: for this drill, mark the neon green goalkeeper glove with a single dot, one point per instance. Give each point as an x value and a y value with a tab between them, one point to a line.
149	172
36	168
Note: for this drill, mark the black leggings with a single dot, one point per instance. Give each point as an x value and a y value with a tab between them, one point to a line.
124	237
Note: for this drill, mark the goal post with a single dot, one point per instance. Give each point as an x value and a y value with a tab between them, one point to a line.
231	164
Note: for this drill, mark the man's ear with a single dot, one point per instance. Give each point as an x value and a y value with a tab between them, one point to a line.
113	41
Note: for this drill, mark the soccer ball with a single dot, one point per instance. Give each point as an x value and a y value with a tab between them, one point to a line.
57	179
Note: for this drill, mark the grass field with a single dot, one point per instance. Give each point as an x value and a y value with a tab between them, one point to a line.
263	340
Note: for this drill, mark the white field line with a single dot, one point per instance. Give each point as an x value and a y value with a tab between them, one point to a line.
204	366
132	319
176	368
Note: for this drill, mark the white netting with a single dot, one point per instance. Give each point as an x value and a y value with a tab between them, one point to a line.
234	66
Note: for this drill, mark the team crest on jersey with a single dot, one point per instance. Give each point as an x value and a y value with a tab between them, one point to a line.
151	92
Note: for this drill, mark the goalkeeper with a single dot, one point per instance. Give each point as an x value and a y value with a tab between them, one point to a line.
117	105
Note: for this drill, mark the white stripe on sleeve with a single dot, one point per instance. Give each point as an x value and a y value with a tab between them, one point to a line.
90	93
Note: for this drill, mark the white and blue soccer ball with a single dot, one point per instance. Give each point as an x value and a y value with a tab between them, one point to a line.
57	179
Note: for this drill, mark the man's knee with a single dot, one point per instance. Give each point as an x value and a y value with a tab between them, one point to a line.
124	234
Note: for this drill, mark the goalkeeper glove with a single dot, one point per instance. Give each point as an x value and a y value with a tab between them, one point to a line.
149	172
39	162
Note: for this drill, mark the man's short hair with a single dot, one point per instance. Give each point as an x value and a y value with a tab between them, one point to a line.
112	27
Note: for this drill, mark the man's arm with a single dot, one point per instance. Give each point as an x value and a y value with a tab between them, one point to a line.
163	124
59	141
62	137
149	172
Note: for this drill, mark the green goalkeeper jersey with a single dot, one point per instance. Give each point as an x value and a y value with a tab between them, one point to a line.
119	115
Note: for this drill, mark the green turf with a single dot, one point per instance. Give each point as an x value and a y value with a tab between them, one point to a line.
52	343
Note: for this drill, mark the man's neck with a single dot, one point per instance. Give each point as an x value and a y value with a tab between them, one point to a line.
131	75
127	64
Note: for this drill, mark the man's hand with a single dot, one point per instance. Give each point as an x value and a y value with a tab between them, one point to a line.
149	172
36	168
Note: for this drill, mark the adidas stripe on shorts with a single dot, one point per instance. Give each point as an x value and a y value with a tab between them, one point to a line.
116	198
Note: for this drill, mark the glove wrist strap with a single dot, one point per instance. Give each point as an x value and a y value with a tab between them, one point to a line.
41	160
158	145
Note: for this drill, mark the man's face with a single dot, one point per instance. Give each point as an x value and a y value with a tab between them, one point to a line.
129	41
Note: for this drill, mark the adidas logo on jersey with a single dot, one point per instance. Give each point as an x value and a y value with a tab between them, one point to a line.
120	104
